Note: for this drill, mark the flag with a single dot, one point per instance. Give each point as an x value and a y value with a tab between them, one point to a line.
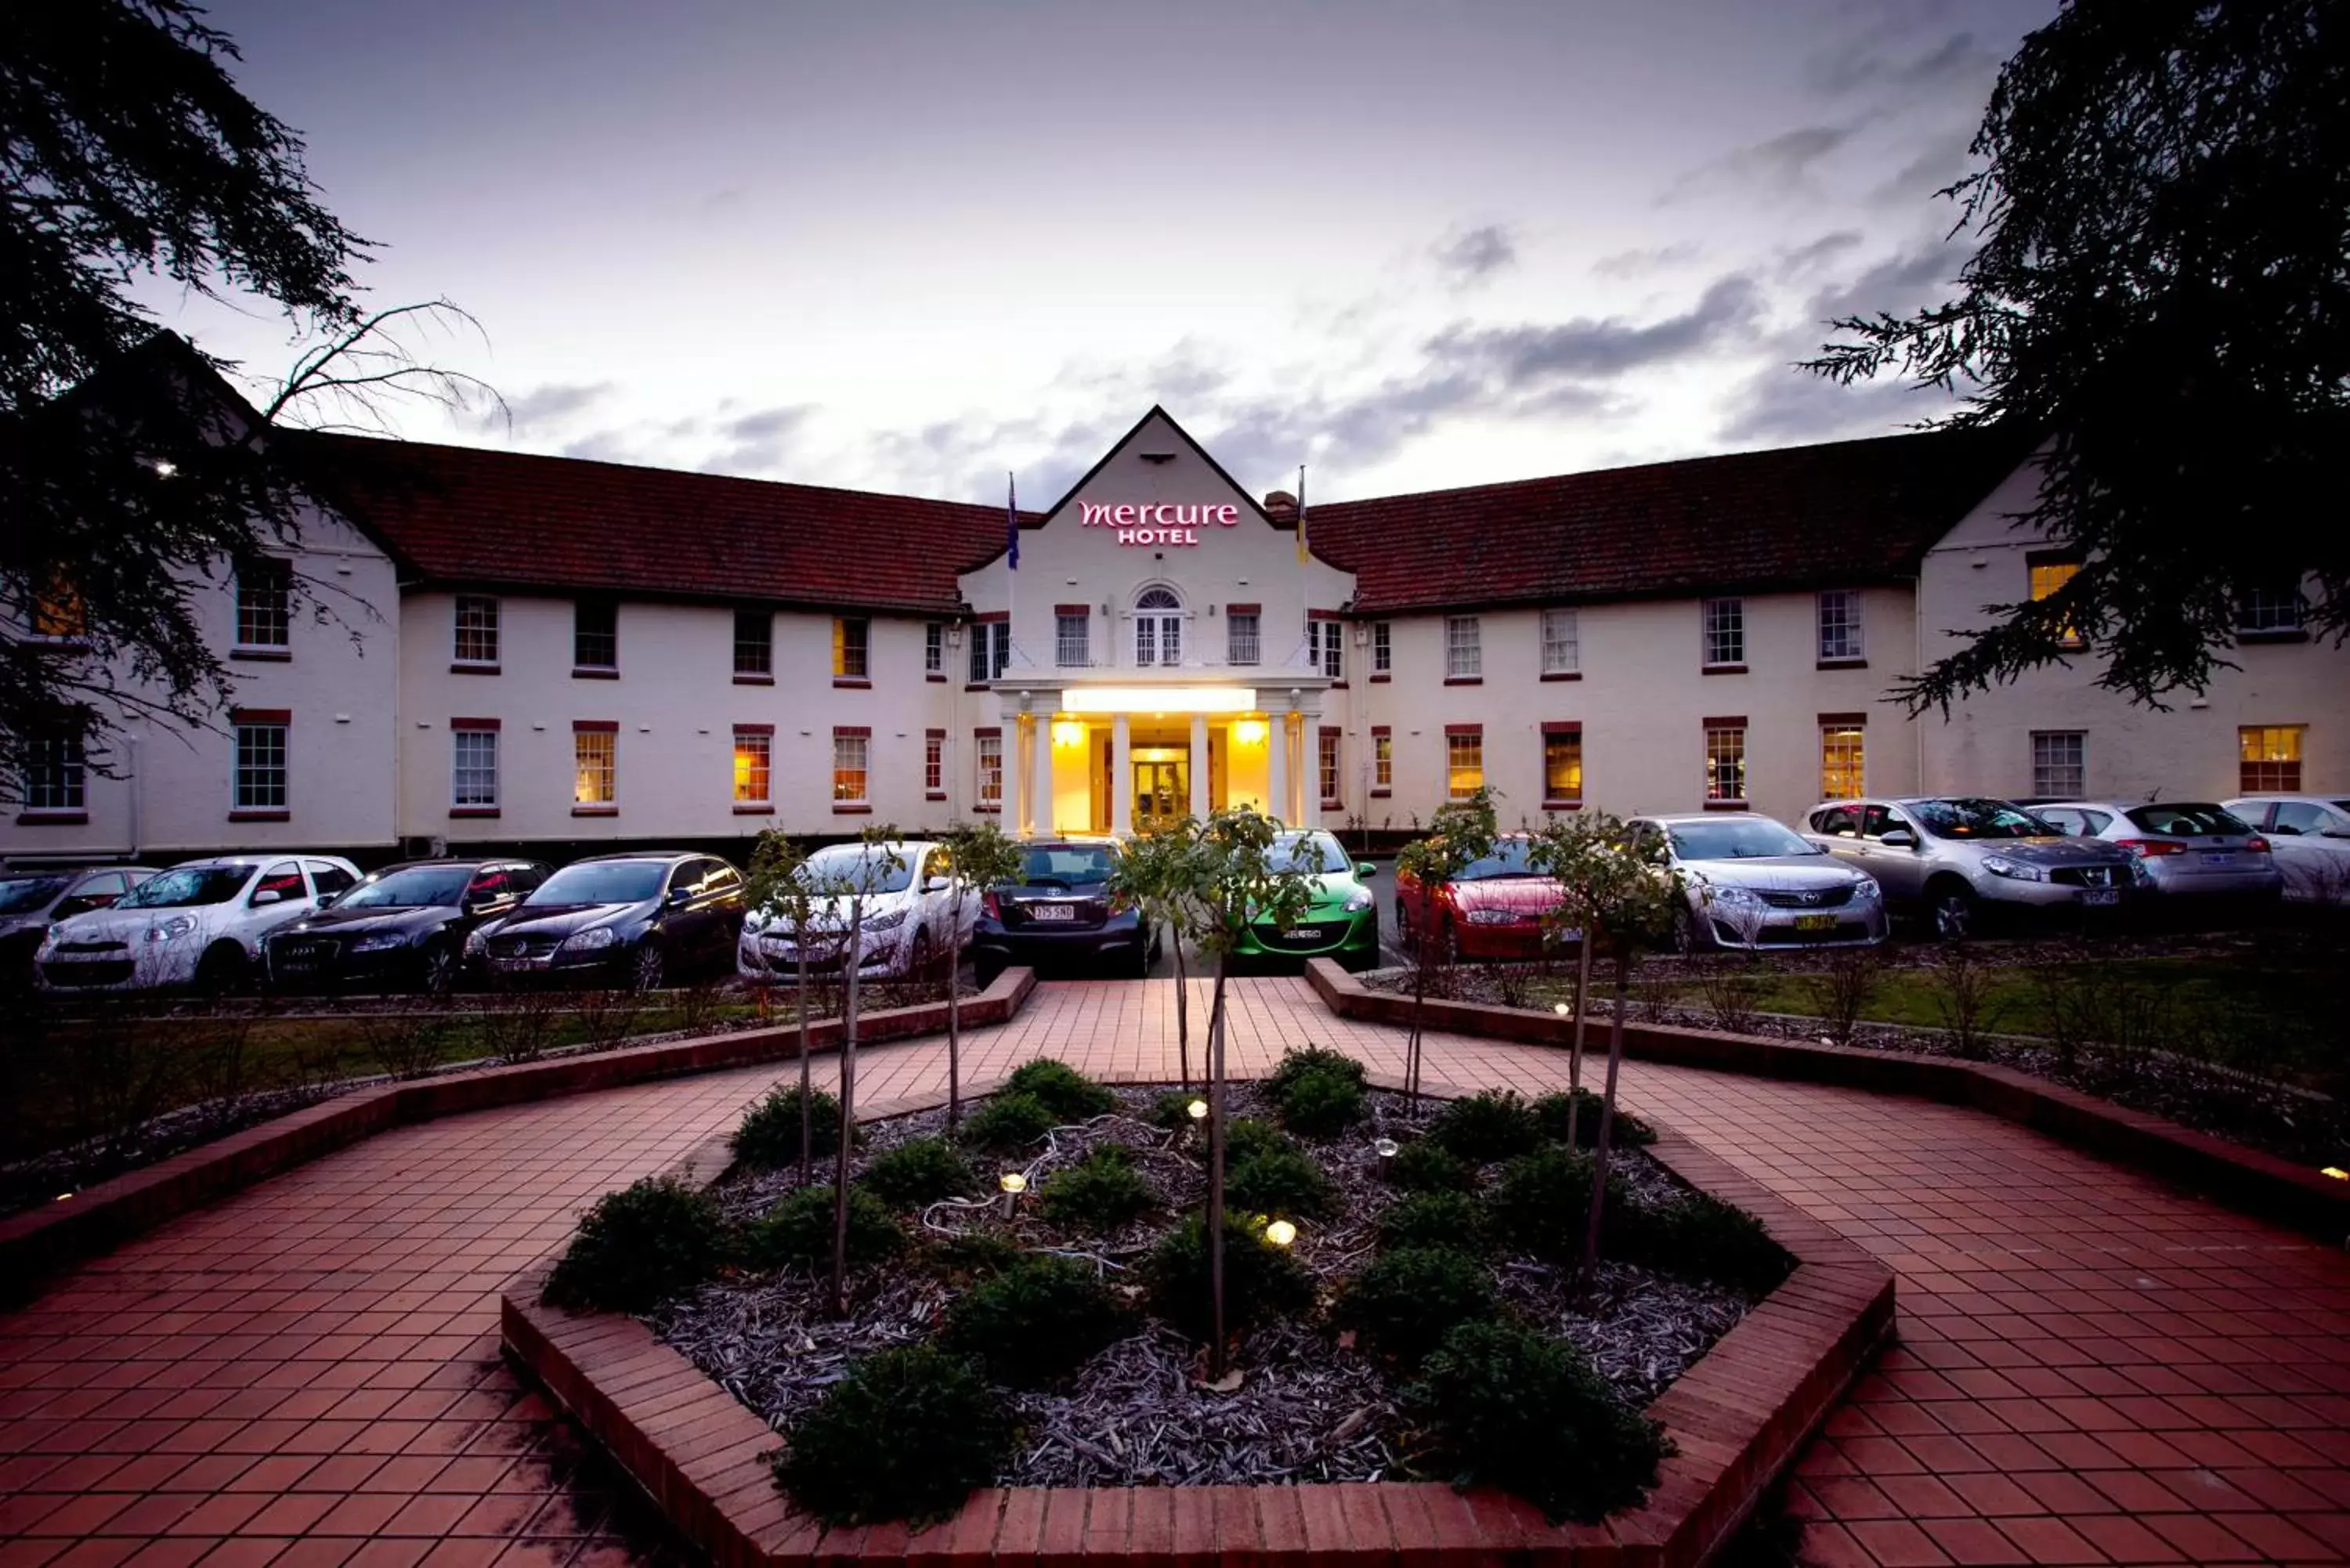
1012	521
1301	513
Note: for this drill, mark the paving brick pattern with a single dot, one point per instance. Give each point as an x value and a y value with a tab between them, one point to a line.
2093	1369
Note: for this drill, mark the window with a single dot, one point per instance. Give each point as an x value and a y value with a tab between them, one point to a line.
1382	648
2050	573
1562	763
1328	764
2300	819
1842	755
478	630
1382	760
852	649
473	768
2269	758
1325	648
1725	759
285	879
55	775
1158	627
934	764
754	752
326	879
1840	624
991	650
2057	770
934	648
987	752
595	635
263	592
59	614
1241	643
595	767
852	757
1561	647
1725	632
1464	761
1070	634
1464	658
754	642
2271	606
260	766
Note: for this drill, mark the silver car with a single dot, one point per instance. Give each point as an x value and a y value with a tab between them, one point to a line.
2310	836
1751	883
1955	859
2190	848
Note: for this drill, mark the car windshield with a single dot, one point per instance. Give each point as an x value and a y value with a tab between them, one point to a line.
1510	858
602	882
847	868
2186	821
1750	838
1316	854
1072	863
424	886
189	885
1971	818
22	895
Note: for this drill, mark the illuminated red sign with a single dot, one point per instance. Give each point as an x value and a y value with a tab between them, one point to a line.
1157	523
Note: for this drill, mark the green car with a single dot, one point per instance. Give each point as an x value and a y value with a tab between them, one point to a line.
1342	923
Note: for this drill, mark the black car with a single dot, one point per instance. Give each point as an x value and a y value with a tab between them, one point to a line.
1061	912
32	900
639	921
403	927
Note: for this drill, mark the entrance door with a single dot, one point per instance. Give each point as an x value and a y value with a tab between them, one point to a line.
1162	794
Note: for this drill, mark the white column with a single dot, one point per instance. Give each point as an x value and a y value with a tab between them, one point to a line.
1015	772
1199	765
1121	776
1044	773
1309	770
1276	756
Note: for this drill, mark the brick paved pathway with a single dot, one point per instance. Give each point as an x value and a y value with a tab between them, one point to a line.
2092	1369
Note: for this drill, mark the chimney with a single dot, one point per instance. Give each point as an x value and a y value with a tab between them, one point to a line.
1280	506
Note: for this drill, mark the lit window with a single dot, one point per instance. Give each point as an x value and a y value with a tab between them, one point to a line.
1241	638
1383	762
2271	606
987	751
1840	624
1725	762
1464	657
1326	648
2050	574
478	630
754	642
1725	632
934	764
754	752
934	648
2269	758
1382	648
473	768
54	773
1842	752
1562	645
60	614
991	650
1070	637
260	767
2058	767
263	609
594	767
852	637
1562	763
1464	763
852	754
1328	769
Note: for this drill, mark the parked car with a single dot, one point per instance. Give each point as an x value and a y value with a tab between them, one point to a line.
1060	913
1341	922
1749	881
909	920
639	921
1956	859
2190	849
1493	909
201	923
33	900
402	928
2310	836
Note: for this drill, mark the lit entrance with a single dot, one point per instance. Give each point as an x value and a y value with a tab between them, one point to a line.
1162	786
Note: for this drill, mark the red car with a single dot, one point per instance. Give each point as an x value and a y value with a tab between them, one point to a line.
1493	909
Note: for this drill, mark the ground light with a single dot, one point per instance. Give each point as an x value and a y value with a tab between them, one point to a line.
2336	1172
1281	1233
1386	1148
1014	1185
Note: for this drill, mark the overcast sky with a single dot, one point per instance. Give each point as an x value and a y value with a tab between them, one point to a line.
907	246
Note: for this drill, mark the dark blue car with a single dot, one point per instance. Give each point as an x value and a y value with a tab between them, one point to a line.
1060	914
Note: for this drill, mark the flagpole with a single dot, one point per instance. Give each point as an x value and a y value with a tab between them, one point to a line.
1011	569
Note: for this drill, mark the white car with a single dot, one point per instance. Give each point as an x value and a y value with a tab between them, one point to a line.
909	922
1750	882
2310	836
200	923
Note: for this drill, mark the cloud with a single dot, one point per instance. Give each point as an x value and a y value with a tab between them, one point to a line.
1805	259
1897	285
758	442
1783	405
1597	348
1938	167
1776	166
555	404
1884	60
1639	263
1471	257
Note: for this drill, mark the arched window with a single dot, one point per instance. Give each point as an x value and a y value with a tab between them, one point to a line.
1158	627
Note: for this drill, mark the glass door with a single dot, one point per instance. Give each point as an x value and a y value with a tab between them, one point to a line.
1162	792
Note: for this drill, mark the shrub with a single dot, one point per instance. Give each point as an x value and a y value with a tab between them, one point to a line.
1408	1300
975	1254
1543	1204
1422	1167
1246	1138
1061	1089
1008	1121
1097	1194
1495	1125
799	1231
1434	1220
1172	1110
921	1171
1034	1322
906	1435
1550	1114
769	1137
1280	1181
1321	1104
1703	1236
1261	1281
638	1247
1513	1409
1302	1062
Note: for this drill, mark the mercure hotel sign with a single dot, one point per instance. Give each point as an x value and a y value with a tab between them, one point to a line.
1159	523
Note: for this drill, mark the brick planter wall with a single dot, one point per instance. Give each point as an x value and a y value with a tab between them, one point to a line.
2244	1178
1737	1418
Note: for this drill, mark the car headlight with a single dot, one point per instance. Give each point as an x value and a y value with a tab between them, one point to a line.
1489	916
2016	870
48	939
1733	897
887	920
1866	887
177	926
377	941
477	943
1358	901
589	940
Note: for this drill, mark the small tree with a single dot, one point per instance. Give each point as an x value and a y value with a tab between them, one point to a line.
780	885
1555	851
1155	872
1462	833
982	858
865	873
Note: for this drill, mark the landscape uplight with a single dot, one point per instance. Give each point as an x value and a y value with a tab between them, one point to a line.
1198	1109
1013	1184
2336	1172
1386	1148
1559	1008
1281	1233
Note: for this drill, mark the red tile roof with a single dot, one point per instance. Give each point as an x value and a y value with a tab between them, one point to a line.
1843	513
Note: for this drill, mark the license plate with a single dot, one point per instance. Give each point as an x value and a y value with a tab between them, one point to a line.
1303	934
2219	860
2101	895
1047	912
1815	922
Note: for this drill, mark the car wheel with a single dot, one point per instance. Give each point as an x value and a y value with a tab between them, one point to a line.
1951	906
1447	944
647	967
1404	938
438	970
1689	937
1139	966
918	957
223	971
